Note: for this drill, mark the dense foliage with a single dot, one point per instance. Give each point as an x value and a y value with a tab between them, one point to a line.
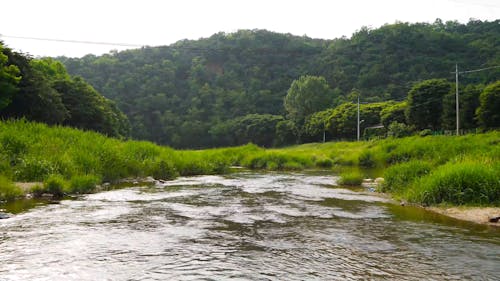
41	90
177	94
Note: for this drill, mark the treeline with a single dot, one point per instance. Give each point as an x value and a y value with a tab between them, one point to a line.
230	88
42	90
430	106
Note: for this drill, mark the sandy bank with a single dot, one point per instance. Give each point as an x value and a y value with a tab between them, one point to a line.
27	186
473	214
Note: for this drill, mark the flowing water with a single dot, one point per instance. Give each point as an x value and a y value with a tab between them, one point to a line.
244	226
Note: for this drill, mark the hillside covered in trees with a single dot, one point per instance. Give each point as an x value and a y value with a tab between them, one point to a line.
230	88
41	90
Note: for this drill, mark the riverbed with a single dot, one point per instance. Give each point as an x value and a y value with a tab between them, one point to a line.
243	226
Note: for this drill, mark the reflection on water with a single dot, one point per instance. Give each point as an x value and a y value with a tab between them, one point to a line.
243	226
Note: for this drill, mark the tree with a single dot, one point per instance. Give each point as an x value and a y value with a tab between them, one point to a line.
425	104
307	95
286	133
316	125
342	122
259	129
469	102
488	113
9	78
36	100
250	72
393	113
89	110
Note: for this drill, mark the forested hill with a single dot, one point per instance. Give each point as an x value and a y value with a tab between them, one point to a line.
182	93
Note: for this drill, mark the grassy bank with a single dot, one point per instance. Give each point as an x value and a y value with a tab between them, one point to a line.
427	170
72	161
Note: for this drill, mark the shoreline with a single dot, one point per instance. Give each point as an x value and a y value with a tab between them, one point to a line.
479	215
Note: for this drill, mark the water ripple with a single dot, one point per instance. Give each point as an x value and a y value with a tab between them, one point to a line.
245	226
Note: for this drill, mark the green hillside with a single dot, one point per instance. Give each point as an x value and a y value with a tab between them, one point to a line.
191	93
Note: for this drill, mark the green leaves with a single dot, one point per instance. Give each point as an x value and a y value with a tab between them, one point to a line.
488	113
9	78
425	103
307	95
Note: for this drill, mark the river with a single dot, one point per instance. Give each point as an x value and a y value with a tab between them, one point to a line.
242	226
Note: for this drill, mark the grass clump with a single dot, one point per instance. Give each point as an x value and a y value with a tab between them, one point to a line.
83	184
163	170
277	161
398	177
324	163
469	182
366	159
8	191
352	178
55	185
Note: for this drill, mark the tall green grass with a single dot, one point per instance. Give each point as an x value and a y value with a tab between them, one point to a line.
352	178
8	191
423	169
468	182
398	177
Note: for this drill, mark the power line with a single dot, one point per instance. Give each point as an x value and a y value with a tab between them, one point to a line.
73	41
456	89
477	70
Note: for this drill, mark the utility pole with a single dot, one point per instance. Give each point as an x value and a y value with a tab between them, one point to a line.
456	89
324	131
358	116
456	96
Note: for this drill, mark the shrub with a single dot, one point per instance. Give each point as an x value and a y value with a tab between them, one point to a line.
352	178
425	133
8	191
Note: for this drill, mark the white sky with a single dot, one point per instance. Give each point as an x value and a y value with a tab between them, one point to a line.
162	22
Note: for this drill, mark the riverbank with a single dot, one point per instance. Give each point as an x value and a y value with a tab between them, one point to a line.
480	215
430	170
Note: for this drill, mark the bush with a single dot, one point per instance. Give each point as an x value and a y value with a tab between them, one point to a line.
8	191
399	130
398	177
33	169
352	178
55	185
425	133
462	183
83	183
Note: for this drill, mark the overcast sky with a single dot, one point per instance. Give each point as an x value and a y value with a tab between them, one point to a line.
157	22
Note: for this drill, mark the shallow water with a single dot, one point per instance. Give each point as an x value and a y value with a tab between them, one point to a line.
244	226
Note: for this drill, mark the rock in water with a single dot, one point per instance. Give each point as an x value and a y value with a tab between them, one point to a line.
4	216
494	219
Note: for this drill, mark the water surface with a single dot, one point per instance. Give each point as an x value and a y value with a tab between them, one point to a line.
245	226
